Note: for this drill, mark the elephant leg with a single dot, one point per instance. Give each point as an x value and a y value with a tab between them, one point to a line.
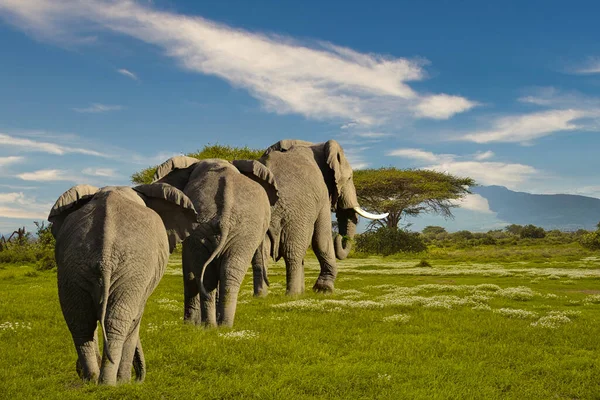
208	303
260	263
231	276
191	293
294	273
120	322
80	315
111	358
322	244
128	354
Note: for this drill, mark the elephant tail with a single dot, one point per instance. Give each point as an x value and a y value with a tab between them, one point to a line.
104	286
223	228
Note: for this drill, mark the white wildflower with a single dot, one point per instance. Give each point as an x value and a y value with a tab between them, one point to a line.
594	299
515	313
520	293
551	321
239	335
384	377
15	326
402	318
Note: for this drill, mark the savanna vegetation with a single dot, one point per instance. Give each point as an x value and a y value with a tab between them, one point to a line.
396	327
512	313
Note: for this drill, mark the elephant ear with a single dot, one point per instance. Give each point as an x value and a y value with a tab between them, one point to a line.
339	165
175	171
174	208
285	145
70	201
261	174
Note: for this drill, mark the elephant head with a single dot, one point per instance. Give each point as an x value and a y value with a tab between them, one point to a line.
171	204
337	174
178	170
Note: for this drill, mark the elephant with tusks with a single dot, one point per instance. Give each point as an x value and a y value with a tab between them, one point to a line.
234	201
112	248
313	180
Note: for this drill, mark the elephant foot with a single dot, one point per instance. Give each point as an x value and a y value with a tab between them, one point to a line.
261	292
323	285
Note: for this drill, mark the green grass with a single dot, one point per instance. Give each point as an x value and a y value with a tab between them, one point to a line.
393	329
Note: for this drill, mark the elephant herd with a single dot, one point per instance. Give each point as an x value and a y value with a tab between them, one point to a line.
113	243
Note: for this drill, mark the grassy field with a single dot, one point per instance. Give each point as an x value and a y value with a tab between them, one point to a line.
476	324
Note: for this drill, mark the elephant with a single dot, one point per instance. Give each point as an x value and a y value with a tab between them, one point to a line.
313	180
112	248
234	201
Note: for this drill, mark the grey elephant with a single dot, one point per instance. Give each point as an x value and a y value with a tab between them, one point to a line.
234	207
313	180
112	248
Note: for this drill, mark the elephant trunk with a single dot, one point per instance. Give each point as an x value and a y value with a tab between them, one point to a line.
347	221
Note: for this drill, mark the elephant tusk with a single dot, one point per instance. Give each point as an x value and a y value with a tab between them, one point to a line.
368	215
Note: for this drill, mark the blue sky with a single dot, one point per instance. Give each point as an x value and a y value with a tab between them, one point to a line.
92	91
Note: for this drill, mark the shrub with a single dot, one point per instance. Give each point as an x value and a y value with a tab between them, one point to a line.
386	241
591	240
533	232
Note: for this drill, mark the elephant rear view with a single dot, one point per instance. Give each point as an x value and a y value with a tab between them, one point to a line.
112	248
234	201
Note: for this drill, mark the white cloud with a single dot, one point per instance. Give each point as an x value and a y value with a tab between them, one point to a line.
442	106
475	202
486	173
103	172
4	161
24	144
592	66
320	81
484	156
421	155
489	173
97	108
524	128
18	205
128	73
47	175
371	135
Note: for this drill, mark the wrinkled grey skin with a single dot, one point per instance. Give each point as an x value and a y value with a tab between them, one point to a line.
112	248
313	180
233	202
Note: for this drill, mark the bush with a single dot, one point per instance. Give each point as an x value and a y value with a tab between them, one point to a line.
591	240
386	241
533	232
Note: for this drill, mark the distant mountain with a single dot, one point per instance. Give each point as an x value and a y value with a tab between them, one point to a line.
550	211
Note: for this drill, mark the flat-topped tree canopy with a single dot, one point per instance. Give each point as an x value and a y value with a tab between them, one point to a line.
402	192
228	153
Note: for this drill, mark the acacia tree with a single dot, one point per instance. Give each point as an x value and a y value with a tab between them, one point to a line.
228	153
408	192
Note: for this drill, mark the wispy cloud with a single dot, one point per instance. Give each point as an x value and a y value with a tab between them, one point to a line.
484	172
30	145
589	67
524	128
101	172
97	108
18	205
475	202
561	112
4	161
128	73
486	155
421	155
47	175
317	80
